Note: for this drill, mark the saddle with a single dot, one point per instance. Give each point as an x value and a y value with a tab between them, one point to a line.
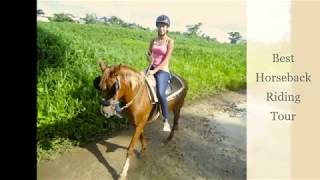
174	88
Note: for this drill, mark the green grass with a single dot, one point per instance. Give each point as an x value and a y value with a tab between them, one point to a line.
68	104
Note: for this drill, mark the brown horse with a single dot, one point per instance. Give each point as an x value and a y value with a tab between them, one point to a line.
125	84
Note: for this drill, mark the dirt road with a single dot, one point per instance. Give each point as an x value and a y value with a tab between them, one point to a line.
210	144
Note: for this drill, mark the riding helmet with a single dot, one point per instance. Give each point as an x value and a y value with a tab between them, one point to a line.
163	19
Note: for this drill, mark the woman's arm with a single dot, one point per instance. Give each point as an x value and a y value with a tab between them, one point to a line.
150	51
167	58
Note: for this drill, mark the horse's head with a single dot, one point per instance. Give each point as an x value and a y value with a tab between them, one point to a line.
110	82
116	83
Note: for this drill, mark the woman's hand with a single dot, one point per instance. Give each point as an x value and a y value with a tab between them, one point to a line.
151	72
149	57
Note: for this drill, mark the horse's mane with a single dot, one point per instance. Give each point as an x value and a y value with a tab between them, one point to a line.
131	76
126	67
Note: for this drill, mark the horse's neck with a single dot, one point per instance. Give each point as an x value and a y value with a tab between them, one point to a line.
135	82
139	91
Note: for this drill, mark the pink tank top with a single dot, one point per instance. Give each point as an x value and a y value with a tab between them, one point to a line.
159	53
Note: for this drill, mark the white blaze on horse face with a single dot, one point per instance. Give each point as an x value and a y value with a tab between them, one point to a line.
125	169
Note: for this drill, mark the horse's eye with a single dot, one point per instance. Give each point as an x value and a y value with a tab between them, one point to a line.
113	88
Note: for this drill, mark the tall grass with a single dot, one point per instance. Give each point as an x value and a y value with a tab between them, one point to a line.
68	104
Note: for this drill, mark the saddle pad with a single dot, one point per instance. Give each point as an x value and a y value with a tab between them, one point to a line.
174	88
151	83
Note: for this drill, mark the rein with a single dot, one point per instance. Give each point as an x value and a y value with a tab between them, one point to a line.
139	90
129	103
113	102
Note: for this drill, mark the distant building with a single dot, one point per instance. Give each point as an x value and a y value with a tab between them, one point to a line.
43	18
76	18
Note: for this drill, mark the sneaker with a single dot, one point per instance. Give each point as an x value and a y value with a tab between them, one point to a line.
166	126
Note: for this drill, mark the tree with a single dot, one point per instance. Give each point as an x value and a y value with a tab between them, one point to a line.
115	20
208	38
40	12
104	20
194	30
234	37
90	19
61	17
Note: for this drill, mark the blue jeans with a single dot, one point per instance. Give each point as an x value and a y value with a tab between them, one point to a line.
162	78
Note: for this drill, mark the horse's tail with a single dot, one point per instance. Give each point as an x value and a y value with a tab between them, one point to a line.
184	92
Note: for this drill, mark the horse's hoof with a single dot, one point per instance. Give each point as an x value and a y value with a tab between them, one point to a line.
136	154
143	150
165	141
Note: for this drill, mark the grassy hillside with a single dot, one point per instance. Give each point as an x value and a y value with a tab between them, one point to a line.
68	104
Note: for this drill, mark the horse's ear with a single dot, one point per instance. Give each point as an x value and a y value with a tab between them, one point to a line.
117	68
102	65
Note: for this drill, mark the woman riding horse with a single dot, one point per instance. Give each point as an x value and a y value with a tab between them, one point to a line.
160	51
125	84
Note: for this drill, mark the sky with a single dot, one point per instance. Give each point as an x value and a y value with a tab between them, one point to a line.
269	21
217	17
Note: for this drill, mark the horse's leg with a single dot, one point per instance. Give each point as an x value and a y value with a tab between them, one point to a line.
134	139
143	142
176	112
176	118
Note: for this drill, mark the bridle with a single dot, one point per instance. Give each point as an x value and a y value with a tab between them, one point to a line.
113	101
